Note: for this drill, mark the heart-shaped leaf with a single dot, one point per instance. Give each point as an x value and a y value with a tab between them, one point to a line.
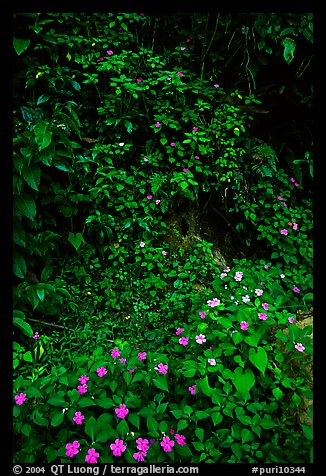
75	239
259	358
243	381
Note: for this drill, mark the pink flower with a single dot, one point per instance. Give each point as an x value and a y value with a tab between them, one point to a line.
181	440
92	456
122	411
142	244
179	73
115	353
262	316
82	388
296	290
280	198
192	389
185	170
245	298
296	184
140	456
101	59
145	159
101	371
139	80
238	276
157	124
295	226
72	448
182	48
259	292
188	40
167	444
123	360
83	379
142	444
216	85
299	347
118	447
223	275
142	355
265	306
36	335
20	398
183	341
292	179
244	325
78	418
284	204
149	197
110	52
202	314
197	157
157	202
195	129
179	330
172	144
284	232
214	302
163	369
131	371
164	253
266	266
291	320
211	361
200	339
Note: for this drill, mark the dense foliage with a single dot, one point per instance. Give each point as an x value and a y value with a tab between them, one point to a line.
162	237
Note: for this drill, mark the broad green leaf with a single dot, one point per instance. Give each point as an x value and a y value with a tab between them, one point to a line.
246	435
46	273
19	265
91	428
23	326
203	385
43	98
32	176
26	205
134	419
182	424
161	383
289	47
40	294
216	418
57	419
75	239
39	419
43	134
20	45
122	428
152	426
104	402
243	381
258	358
57	401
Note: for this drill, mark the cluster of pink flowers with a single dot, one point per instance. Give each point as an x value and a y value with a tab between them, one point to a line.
192	389
82	388
78	418
142	355
20	399
202	314
238	276
36	335
293	181
211	361
122	411
72	448
101	371
262	316
162	368
115	353
244	325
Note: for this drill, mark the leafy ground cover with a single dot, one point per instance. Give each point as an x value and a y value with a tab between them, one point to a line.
163	252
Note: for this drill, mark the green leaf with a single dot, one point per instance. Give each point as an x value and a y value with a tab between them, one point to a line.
23	326
32	176
243	381
182	424
57	419
216	418
104	402
75	239
289	47
26	205
75	85
46	273
40	294
258	358
19	265
161	382
123	428
20	45
43	98
246	435
134	419
39	419
203	385
92	428
43	134
152	426
58	401
128	126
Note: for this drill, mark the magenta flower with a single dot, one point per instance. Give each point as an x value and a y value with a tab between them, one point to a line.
296	290
157	124
183	341
167	444
266	266
149	197
192	389
295	226
244	325
262	316
284	232
172	144
142	244
265	306
78	418
83	379
142	355
195	129
131	371
284	204
291	320
216	85
122	411
280	198
140	456
259	292
202	314
72	448
101	371
82	388
299	347
20	398
238	276
223	275
181	440
211	361
185	170
145	159
296	184
163	369
200	339
118	447
139	80
110	52
115	353
142	444
197	157
123	360
182	48
214	302
164	253
36	335
179	73
179	330
157	202
92	456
